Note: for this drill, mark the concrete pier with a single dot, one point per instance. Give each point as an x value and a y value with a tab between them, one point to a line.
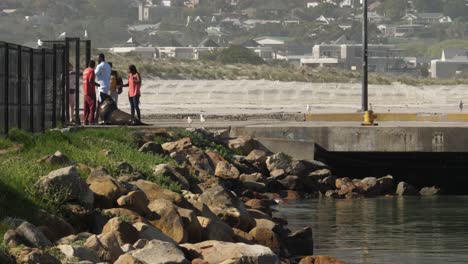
299	141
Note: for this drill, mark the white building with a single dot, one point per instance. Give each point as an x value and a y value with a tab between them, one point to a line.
453	63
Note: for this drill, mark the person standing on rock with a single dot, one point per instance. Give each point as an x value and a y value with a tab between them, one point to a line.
134	85
103	75
89	93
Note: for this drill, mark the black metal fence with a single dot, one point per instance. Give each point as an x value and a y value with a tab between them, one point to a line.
34	85
31	87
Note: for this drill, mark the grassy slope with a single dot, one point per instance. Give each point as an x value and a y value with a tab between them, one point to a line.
209	70
20	171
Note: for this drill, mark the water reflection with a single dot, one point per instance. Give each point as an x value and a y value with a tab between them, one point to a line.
386	230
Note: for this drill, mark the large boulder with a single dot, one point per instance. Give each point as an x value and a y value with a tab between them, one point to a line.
106	245
135	201
54	227
257	159
68	182
154	191
292	182
214	158
128	259
267	238
387	185
150	232
169	172
152	147
200	161
160	252
243	145
12	239
227	207
80	217
73	239
32	235
301	242
168	221
312	180
75	253
132	216
225	252
106	190
27	255
321	260
372	186
124	231
405	189
243	237
429	191
279	161
327	183
259	205
191	224
257	156
341	182
177	146
215	230
226	170
252	177
58	158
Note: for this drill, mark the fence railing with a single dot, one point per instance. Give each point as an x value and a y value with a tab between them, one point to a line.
31	87
34	84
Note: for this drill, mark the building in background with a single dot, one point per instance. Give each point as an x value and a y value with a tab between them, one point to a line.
453	63
382	58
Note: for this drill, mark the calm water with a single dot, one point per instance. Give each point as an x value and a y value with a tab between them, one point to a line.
386	230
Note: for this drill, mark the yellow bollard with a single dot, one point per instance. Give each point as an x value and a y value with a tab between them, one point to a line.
369	118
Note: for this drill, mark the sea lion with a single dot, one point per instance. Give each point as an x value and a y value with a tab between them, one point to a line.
111	115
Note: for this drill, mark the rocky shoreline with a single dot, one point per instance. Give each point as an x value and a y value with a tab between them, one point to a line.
223	213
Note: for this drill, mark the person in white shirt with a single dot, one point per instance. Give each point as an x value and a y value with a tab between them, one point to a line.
103	75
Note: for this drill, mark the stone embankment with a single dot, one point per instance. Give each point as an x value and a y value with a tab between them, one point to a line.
223	213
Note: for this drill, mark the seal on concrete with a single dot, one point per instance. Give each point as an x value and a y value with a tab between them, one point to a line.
111	115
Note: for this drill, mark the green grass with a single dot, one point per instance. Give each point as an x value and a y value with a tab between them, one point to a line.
19	170
5	143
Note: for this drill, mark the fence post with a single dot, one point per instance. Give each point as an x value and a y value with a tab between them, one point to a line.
43	86
31	89
20	79
88	52
6	84
77	81
62	87
54	87
67	80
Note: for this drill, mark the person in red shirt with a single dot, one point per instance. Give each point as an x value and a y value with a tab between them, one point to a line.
134	85
89	92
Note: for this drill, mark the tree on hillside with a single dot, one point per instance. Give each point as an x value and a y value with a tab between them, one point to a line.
234	54
457	29
427	6
455	8
394	9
